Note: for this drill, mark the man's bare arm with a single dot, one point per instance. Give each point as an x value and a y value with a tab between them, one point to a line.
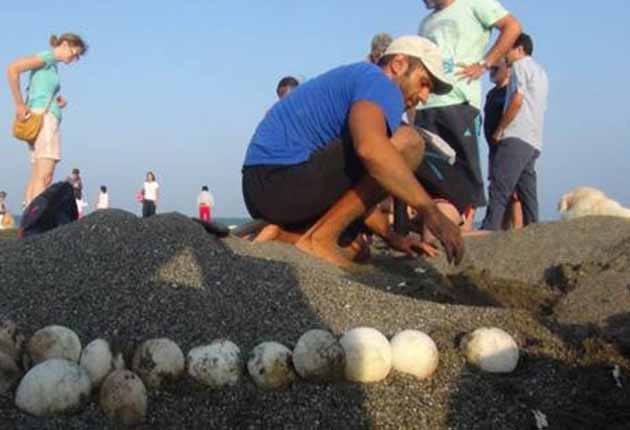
386	165
508	116
510	28
381	159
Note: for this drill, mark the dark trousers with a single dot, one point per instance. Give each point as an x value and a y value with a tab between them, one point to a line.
462	182
297	195
148	208
512	168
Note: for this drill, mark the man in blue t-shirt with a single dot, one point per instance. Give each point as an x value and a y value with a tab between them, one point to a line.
325	155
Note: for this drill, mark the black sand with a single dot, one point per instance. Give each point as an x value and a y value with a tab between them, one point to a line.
561	290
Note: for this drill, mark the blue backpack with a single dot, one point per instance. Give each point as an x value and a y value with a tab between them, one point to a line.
54	207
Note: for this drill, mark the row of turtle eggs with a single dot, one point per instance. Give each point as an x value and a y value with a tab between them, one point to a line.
56	384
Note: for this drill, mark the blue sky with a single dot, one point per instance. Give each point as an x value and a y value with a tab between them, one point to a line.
178	87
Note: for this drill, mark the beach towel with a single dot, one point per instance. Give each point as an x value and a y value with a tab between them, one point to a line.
52	208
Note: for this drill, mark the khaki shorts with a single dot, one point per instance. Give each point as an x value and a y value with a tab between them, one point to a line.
48	142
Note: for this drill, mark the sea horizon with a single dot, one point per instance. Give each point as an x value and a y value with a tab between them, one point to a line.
227	221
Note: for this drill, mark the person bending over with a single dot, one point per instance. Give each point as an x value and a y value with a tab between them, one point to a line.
321	160
42	97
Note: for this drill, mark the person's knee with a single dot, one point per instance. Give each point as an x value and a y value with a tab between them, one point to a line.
451	212
45	178
410	144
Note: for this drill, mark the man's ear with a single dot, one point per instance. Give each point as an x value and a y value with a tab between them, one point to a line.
399	65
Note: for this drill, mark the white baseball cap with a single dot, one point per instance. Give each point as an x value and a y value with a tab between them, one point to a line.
427	52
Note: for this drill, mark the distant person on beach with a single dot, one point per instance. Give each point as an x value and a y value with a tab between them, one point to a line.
77	183
461	29
102	201
379	44
320	161
286	85
205	203
151	195
77	189
3	208
518	137
43	97
493	111
81	207
6	219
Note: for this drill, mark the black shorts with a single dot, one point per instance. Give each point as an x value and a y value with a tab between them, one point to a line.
462	182
297	195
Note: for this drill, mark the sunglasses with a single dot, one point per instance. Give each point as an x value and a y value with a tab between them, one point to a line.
75	52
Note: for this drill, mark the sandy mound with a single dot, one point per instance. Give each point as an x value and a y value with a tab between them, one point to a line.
116	276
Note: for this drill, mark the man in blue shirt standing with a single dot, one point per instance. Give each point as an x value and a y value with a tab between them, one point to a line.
328	153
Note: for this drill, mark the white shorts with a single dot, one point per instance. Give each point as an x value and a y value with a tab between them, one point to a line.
48	142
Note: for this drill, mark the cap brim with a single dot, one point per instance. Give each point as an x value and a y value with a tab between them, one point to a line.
440	86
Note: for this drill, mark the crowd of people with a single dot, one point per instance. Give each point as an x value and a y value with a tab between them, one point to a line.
43	98
335	156
326	164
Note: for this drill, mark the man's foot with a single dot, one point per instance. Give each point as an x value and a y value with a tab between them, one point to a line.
326	250
275	232
268	233
358	250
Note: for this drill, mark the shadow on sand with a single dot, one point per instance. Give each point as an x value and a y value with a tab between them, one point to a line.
133	280
576	391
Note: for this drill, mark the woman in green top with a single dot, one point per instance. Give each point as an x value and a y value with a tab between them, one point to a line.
43	97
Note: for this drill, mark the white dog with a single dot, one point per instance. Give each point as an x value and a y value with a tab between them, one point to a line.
585	201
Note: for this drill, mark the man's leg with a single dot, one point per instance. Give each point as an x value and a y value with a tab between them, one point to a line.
510	160
517	212
460	183
275	232
527	190
145	208
321	239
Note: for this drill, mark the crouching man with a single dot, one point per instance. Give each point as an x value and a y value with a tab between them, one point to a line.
327	154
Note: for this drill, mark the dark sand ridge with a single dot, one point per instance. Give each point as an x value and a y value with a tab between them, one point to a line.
115	276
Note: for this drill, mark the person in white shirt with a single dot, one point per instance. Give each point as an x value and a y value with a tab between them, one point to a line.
205	203
102	201
81	206
518	137
151	195
3	208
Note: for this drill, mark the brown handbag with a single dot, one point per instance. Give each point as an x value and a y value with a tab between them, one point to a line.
29	129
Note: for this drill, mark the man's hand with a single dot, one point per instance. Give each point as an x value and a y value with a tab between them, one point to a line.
471	71
497	136
22	112
61	102
411	244
445	231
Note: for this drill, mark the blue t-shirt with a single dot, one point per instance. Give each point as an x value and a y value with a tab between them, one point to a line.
316	113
